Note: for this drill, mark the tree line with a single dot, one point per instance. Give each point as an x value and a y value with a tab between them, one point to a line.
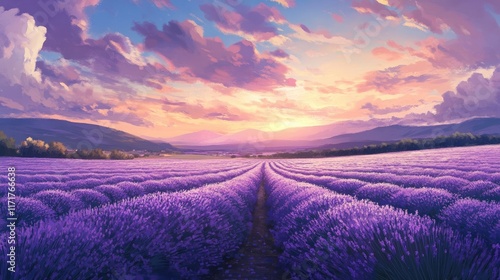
38	148
455	140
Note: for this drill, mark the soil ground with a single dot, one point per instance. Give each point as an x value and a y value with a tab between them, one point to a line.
257	258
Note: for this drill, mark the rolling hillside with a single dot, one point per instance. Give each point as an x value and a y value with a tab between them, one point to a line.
77	135
397	132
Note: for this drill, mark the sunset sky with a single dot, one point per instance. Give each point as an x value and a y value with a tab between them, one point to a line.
160	68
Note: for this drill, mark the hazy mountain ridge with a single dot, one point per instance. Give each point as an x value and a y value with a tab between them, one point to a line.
246	141
397	132
295	134
344	132
198	137
76	135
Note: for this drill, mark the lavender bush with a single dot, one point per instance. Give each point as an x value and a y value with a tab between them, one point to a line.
424	201
188	231
473	216
360	240
59	201
91	198
381	193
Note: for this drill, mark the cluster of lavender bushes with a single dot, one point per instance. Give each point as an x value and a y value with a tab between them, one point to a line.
325	235
470	163
445	204
179	235
48	196
476	185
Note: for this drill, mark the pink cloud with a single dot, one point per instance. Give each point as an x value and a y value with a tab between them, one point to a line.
386	54
338	18
256	21
396	80
217	111
285	3
207	59
472	23
159	3
395	45
163	4
373	7
329	89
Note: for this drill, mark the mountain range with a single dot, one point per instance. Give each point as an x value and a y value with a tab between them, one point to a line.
291	135
338	135
476	126
314	137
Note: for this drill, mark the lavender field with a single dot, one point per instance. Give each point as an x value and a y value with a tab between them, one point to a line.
432	214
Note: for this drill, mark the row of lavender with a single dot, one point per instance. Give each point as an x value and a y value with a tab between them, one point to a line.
63	170
325	235
181	235
48	200
481	218
402	177
29	189
484	190
155	163
456	162
394	166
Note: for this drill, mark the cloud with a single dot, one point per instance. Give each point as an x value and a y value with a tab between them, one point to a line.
20	43
329	89
374	109
217	111
208	59
395	80
43	89
256	21
373	7
338	18
473	24
65	21
285	3
66	74
113	55
163	4
395	46
477	96
386	54
304	33
305	28
159	3
280	53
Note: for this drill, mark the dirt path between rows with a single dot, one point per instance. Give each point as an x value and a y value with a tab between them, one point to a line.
257	258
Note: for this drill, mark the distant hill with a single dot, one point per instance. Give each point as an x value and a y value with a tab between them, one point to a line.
77	135
195	137
255	141
290	137
476	126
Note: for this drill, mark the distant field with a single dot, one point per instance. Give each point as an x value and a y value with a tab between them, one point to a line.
185	156
431	214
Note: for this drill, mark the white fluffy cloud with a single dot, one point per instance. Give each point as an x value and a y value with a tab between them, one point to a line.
20	42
